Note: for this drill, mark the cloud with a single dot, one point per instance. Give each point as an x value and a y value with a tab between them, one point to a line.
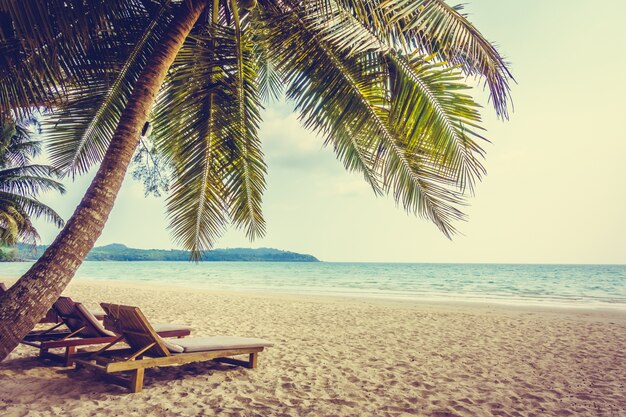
283	136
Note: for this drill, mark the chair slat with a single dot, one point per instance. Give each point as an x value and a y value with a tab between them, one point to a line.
138	332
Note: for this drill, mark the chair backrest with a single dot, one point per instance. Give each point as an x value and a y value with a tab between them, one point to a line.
75	316
137	331
3	288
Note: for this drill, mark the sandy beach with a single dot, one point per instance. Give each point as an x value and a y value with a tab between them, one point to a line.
347	357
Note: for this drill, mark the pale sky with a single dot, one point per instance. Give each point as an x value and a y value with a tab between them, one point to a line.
556	185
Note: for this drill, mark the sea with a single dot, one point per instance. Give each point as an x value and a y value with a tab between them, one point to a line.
592	286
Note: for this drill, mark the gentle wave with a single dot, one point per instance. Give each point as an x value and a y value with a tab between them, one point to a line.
581	285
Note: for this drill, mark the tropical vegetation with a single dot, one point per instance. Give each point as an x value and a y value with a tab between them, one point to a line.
384	83
20	183
121	252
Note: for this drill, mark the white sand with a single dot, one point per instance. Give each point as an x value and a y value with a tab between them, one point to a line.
347	357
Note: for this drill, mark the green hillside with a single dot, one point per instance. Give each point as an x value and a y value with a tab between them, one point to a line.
120	252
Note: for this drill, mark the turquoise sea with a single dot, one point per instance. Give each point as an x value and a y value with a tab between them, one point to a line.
564	285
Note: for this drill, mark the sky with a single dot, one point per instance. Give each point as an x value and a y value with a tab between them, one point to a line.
556	185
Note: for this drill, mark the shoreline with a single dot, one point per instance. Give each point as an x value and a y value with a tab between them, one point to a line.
505	304
514	286
522	304
450	303
447	304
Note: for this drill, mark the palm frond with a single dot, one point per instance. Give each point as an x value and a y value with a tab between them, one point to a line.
269	79
346	28
429	109
436	27
9	225
16	145
16	226
318	91
30	180
351	99
245	179
424	27
21	182
195	119
82	129
31	207
45	47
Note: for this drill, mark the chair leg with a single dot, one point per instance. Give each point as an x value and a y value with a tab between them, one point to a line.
253	360
136	380
43	352
69	351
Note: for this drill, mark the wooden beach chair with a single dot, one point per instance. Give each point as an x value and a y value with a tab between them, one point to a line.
148	350
84	329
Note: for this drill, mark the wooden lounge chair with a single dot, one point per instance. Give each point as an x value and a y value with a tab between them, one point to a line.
84	329
148	350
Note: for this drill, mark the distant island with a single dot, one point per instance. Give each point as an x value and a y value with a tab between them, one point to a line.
120	252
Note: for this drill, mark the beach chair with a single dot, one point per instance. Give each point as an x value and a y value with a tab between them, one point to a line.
148	350
84	329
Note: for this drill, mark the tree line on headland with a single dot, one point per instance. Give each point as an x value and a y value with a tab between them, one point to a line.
120	252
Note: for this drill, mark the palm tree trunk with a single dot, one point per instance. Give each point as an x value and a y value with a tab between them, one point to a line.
29	299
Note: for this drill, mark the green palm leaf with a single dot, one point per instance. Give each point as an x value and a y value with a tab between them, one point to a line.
246	176
195	119
427	106
269	80
21	182
45	46
83	127
31	207
436	27
349	100
10	224
436	118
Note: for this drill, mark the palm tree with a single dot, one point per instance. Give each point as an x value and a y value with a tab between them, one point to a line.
383	82
20	184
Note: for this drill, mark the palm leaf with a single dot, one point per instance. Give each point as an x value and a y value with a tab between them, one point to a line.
195	119
436	27
9	225
45	47
421	27
31	207
246	176
348	99
29	180
82	129
427	108
436	118
16	145
269	80
321	110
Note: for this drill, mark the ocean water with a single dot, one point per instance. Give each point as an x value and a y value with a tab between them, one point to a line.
564	285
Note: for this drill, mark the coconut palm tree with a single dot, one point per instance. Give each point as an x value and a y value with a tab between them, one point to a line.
20	184
384	83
